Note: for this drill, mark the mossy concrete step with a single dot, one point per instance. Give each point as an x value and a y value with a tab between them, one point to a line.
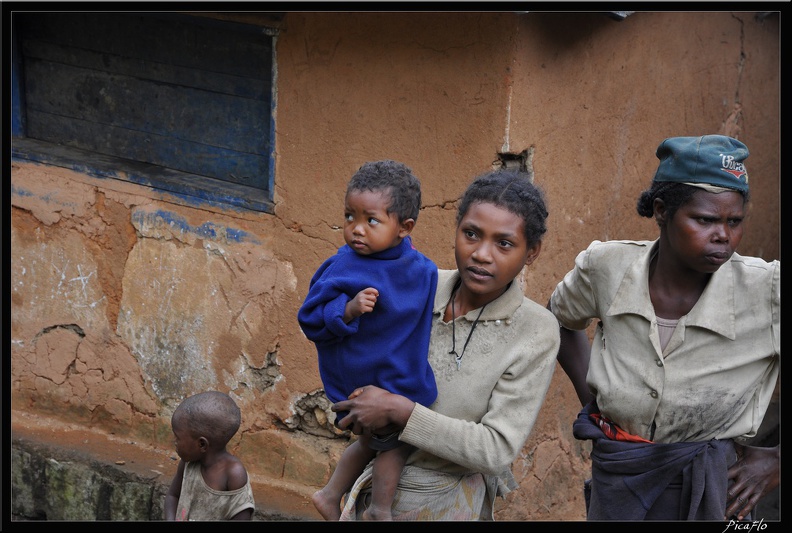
64	472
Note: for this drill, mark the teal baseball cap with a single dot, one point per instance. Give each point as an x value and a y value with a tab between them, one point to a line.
707	161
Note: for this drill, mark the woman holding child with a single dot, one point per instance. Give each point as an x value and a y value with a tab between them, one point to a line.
493	351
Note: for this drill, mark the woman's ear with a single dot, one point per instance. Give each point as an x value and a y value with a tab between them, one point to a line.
533	253
660	212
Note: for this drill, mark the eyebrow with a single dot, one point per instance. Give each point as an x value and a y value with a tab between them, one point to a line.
347	209
497	235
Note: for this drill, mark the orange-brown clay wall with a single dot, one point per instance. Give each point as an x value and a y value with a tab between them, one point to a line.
122	304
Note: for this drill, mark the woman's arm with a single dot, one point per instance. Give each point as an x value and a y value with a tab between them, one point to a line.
573	356
495	406
490	432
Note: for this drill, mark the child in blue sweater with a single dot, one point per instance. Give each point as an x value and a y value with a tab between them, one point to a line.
369	313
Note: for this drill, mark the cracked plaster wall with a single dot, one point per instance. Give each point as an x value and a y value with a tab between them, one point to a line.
125	301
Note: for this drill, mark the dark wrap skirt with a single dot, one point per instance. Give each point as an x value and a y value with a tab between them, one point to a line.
629	478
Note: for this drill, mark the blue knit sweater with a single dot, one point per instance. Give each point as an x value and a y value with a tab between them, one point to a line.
387	347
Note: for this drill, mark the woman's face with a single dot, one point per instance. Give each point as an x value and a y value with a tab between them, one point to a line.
705	231
368	227
491	249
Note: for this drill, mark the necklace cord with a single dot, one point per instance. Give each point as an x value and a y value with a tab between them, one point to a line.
453	331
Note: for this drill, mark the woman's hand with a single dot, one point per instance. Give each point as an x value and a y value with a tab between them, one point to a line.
374	410
755	474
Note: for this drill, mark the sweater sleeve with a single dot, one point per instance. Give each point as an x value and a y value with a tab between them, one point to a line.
492	444
321	316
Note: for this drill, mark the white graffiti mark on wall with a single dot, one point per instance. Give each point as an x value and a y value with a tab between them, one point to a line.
73	284
61	277
162	317
166	288
83	279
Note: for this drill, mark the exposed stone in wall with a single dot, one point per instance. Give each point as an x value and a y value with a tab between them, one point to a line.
266	377
313	415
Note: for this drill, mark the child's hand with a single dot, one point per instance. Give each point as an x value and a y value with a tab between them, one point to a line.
363	302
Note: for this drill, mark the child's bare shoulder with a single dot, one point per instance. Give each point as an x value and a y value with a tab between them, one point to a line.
236	473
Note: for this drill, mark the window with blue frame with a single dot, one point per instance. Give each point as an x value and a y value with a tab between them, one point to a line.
178	103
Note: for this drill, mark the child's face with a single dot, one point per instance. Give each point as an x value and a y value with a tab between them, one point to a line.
368	228
187	446
491	249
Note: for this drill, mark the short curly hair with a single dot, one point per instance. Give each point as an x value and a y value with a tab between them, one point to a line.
394	179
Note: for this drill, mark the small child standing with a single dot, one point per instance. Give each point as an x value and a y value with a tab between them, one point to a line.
210	483
369	313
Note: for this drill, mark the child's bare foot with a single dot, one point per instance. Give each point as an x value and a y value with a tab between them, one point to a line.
328	507
378	514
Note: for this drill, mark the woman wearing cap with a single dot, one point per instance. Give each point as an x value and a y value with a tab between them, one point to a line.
685	354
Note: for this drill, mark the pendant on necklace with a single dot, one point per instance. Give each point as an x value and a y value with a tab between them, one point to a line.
457	358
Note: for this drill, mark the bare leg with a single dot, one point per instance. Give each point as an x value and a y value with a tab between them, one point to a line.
387	471
354	459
